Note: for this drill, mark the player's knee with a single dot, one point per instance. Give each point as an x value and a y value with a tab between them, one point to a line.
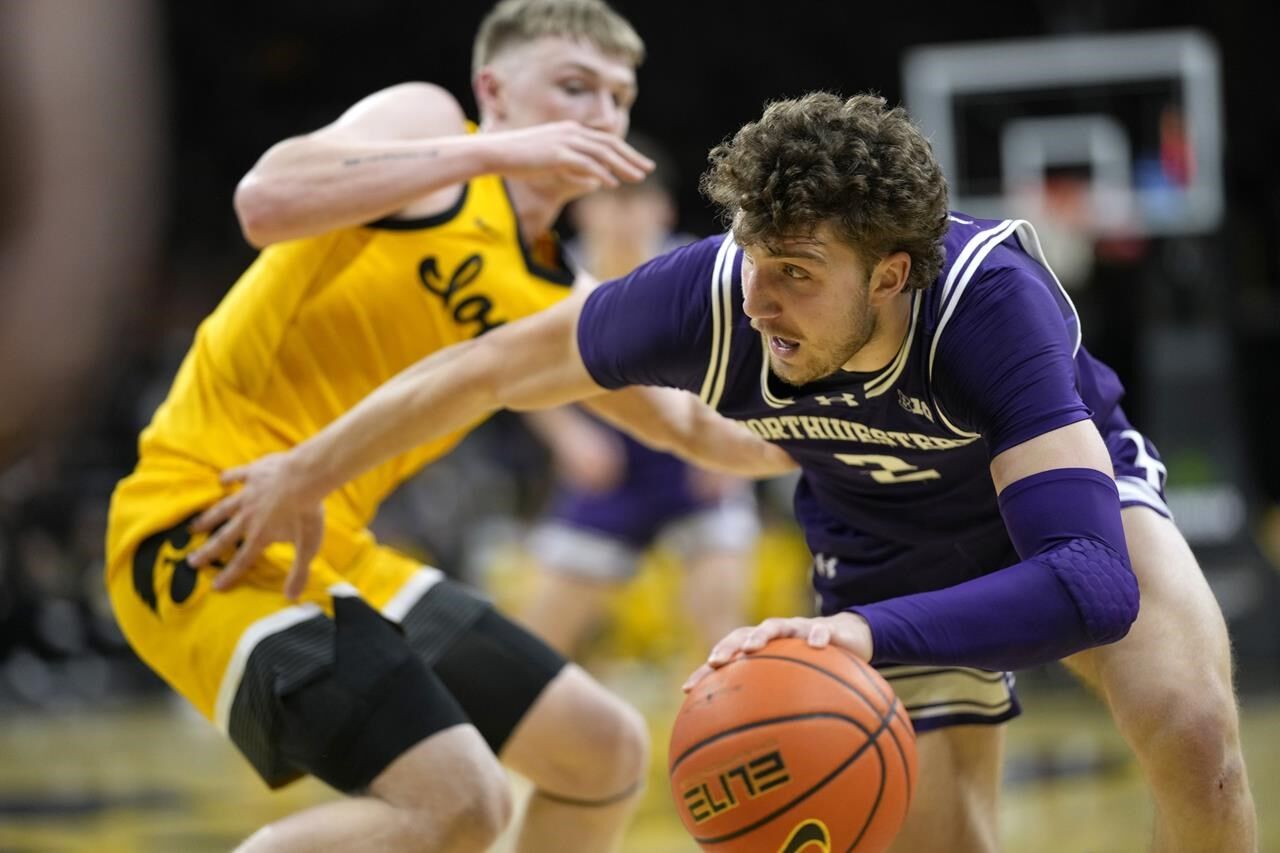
1193	742
479	809
610	752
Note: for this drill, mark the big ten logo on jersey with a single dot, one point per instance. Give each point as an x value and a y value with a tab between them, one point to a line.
724	789
809	836
914	405
467	309
161	560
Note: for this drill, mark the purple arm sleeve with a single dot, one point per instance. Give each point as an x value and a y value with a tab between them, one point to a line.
1074	588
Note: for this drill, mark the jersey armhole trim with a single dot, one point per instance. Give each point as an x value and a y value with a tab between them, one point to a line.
721	324
391	223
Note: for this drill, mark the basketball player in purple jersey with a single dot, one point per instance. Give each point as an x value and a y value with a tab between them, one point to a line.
974	496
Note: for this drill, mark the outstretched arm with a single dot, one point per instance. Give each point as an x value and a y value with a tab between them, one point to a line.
677	422
444	392
438	395
406	149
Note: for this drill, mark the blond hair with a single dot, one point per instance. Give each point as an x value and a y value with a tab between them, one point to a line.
515	22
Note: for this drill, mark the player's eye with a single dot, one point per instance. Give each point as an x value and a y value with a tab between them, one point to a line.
574	87
792	271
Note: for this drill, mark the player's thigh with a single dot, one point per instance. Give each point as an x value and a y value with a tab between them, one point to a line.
545	718
954	806
323	686
1178	642
563	609
959	715
580	742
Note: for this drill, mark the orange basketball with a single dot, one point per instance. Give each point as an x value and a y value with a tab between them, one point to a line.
794	750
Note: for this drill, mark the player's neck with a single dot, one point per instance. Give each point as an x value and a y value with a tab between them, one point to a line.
537	205
890	330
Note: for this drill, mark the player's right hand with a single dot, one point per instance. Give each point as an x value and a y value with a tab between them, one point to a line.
581	156
269	507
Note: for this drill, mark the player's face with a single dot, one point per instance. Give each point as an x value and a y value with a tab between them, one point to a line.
808	297
558	79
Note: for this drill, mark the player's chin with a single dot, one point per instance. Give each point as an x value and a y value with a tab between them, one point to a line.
790	372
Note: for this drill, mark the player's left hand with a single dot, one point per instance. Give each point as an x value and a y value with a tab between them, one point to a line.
847	630
270	507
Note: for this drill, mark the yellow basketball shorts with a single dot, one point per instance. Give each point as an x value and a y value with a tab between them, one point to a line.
235	654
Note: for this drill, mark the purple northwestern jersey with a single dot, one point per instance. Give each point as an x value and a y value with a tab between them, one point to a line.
896	489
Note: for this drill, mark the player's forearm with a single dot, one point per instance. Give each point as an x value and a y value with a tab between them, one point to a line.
728	447
1074	590
448	391
431	399
312	184
677	422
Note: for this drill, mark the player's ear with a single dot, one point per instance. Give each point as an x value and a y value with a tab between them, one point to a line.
488	89
889	277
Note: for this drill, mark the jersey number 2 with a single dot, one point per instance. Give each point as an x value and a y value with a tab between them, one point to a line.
888	469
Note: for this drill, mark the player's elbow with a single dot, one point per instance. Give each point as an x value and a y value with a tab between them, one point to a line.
259	211
1103	585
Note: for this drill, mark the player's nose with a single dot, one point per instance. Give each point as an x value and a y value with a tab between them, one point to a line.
758	299
607	115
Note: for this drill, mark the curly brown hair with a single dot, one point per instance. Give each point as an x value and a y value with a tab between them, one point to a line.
855	163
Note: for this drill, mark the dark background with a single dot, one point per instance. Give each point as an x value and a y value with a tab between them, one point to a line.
239	76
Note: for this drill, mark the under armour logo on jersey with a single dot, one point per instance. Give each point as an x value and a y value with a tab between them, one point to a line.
823	566
847	398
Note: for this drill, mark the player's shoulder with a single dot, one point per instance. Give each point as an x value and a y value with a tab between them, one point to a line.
984	258
410	110
996	280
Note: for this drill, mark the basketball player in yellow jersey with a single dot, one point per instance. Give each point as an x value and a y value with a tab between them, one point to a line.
390	234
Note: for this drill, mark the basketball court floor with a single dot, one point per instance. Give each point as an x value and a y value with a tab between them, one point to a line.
154	778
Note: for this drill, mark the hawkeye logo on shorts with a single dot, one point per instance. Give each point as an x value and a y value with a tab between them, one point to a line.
167	551
475	308
810	836
722	791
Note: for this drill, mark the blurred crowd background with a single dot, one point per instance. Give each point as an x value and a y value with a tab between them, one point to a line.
125	125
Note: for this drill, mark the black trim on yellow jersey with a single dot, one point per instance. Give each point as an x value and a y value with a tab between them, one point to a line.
564	275
389	223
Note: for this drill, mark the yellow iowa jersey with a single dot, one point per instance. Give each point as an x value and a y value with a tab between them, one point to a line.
315	324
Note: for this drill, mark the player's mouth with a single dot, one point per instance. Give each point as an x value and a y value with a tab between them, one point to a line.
782	347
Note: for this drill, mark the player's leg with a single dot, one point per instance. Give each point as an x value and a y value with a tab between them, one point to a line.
959	716
716	544
295	686
1168	685
954	807
587	753
715	593
584	749
381	727
576	570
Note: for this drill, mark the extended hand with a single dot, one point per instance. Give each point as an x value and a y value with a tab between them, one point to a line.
578	154
269	508
847	630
